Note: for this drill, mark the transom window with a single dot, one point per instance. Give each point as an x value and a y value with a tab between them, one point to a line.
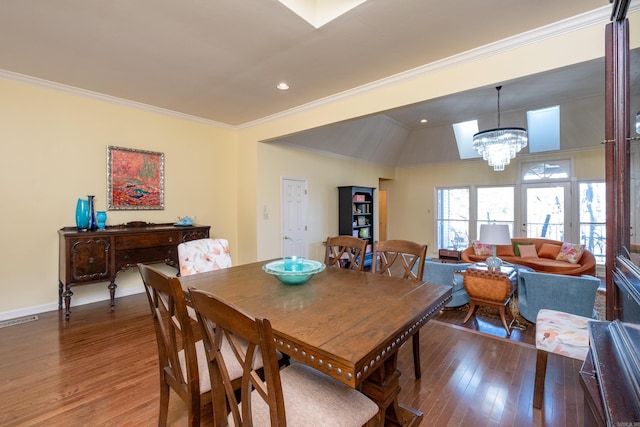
545	171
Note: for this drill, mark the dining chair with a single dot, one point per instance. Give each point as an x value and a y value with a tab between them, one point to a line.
202	255
398	258
346	252
294	395
182	369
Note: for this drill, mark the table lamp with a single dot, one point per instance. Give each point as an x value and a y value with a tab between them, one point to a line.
494	234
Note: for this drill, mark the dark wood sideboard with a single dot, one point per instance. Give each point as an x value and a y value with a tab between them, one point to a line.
610	375
98	256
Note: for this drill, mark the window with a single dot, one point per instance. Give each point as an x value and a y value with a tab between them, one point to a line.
455	219
544	129
593	218
495	205
464	132
553	170
452	220
547	207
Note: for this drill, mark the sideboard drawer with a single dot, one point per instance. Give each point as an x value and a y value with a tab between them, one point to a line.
149	240
131	257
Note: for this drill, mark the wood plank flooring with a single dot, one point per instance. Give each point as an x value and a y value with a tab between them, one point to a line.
100	369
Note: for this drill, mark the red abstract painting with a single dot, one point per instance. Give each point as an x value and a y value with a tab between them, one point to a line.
135	179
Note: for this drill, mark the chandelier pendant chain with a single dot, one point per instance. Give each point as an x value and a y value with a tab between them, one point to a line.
499	87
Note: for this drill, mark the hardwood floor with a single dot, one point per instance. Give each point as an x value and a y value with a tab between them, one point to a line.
100	369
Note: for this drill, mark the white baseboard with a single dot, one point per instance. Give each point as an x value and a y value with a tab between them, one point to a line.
82	300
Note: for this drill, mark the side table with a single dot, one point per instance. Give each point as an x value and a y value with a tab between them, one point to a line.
490	288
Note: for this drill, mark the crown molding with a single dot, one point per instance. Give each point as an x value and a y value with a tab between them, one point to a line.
47	84
587	19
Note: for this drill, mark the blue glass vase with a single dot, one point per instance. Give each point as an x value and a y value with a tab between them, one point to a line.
101	217
93	224
82	214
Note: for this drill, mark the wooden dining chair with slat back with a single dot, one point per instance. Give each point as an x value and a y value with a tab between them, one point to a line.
346	252
294	395
182	369
402	258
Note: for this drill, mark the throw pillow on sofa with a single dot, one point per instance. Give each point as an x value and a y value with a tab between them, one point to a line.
528	251
570	252
481	248
516	247
549	250
504	250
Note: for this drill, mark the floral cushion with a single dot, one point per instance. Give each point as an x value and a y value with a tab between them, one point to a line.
562	333
199	256
570	253
481	248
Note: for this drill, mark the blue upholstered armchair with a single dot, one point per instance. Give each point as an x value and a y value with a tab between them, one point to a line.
570	294
443	274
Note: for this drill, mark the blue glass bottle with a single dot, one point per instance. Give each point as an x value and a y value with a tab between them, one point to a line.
82	214
93	224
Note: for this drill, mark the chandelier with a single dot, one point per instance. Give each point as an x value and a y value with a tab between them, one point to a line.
498	146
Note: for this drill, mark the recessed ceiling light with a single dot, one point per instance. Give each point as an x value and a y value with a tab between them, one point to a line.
424	121
282	86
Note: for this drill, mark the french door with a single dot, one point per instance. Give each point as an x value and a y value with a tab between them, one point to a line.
546	210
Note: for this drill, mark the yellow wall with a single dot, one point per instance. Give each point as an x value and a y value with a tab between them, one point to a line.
54	151
324	174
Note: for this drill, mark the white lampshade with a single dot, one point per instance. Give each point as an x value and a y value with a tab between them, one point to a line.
495	234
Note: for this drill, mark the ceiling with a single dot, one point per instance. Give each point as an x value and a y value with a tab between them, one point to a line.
220	60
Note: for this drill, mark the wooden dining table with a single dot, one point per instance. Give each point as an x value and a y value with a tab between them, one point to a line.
347	324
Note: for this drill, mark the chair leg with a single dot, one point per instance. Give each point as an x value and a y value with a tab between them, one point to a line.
416	355
541	372
164	403
472	309
504	321
194	411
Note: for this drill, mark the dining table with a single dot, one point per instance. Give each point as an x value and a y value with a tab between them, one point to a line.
347	324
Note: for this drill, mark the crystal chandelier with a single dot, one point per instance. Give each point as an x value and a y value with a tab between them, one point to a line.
498	146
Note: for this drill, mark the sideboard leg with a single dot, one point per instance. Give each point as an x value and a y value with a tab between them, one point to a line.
112	293
67	303
60	291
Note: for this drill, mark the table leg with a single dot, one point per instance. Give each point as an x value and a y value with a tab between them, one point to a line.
383	387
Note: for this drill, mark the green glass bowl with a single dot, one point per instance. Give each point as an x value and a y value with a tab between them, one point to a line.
298	277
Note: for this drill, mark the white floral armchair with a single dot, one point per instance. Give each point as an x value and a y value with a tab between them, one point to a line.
199	256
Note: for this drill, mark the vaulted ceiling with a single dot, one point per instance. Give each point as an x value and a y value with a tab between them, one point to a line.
220	60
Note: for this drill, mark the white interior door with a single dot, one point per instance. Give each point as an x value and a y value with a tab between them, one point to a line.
546	211
294	217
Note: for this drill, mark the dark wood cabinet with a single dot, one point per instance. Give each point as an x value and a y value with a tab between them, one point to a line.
610	373
450	256
98	256
356	215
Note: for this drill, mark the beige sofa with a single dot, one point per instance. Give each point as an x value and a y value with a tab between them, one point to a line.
543	264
